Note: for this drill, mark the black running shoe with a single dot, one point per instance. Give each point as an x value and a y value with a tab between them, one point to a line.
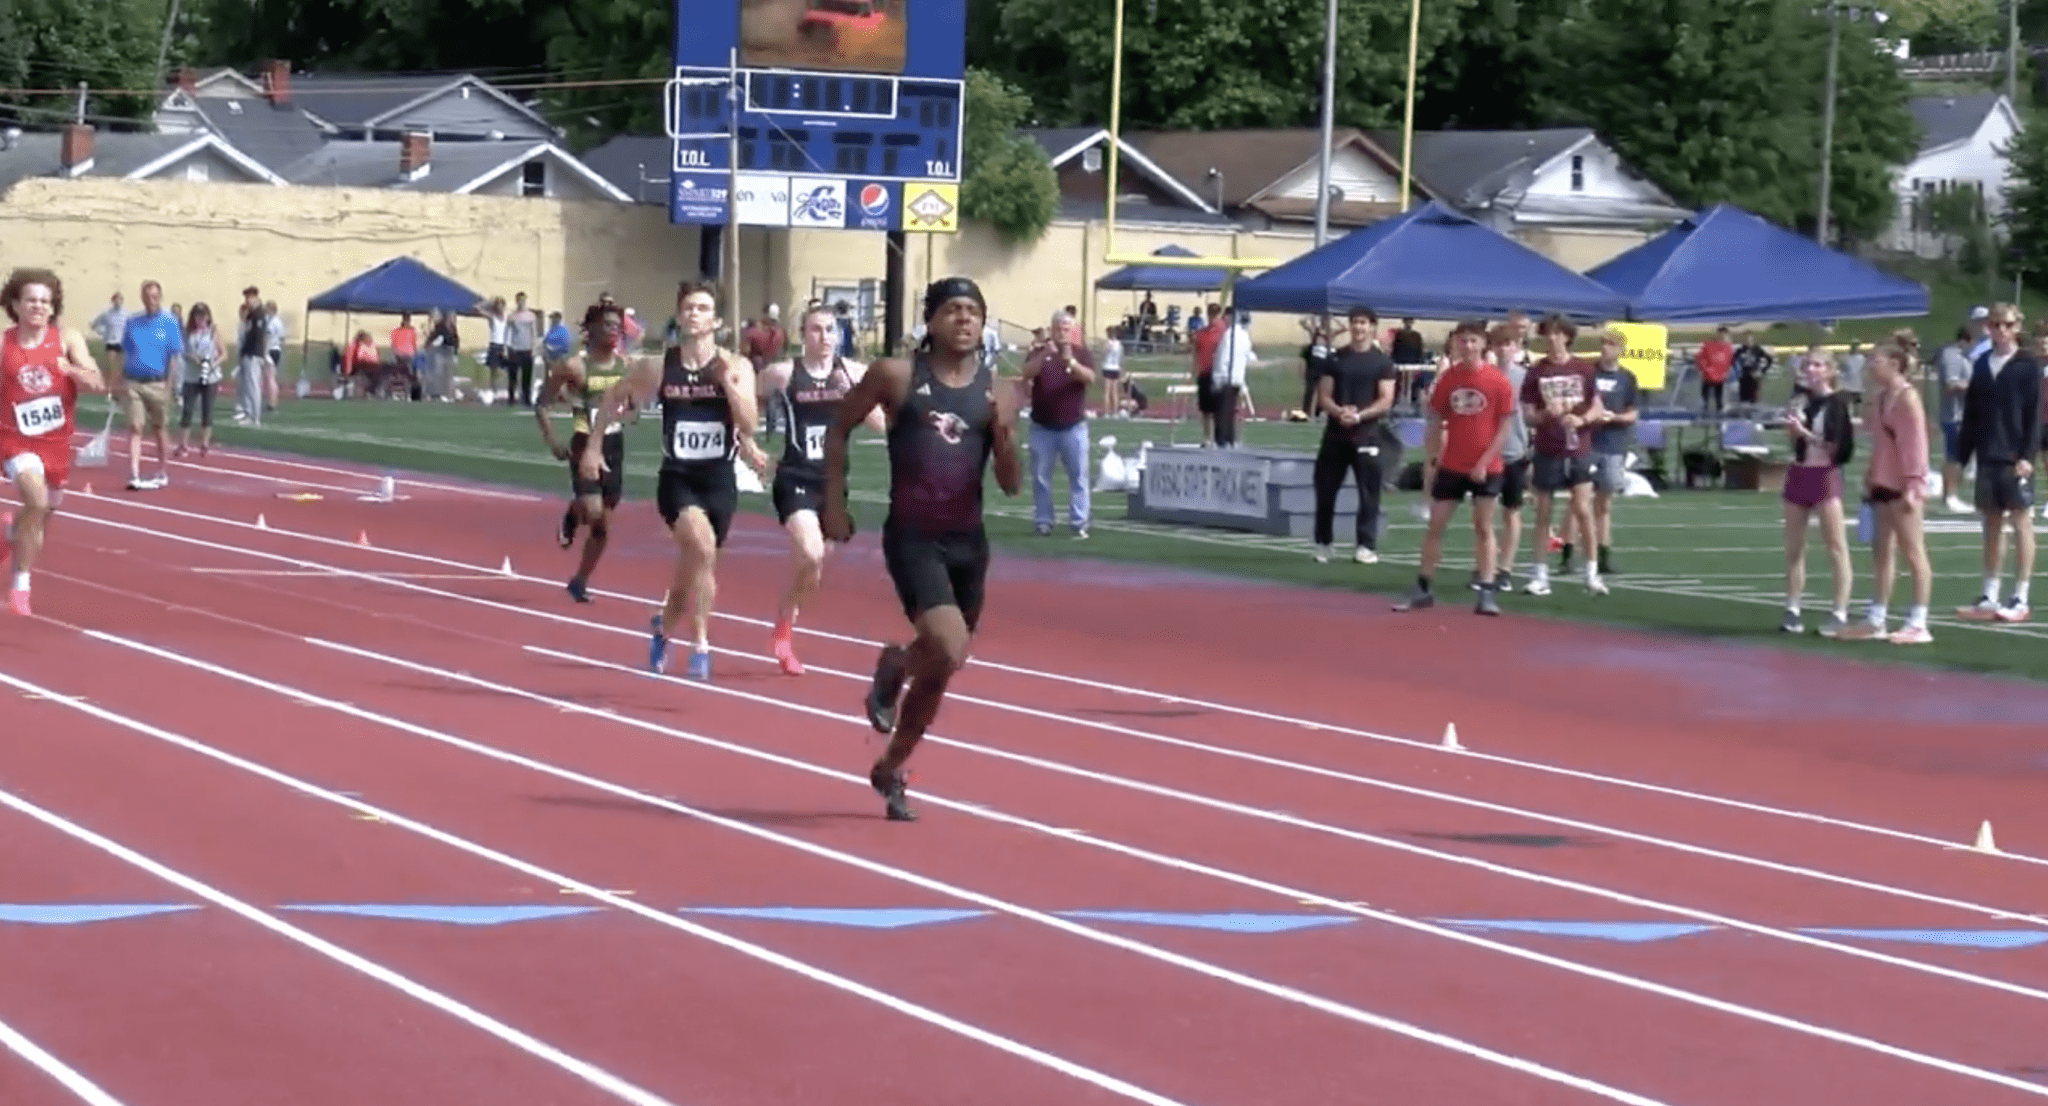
565	532
894	792
886	689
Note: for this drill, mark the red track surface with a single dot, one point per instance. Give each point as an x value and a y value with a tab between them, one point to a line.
1192	1016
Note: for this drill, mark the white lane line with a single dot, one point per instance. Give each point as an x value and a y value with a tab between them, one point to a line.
64	1074
1428	745
1769	865
338	469
532	1046
558	879
1199	967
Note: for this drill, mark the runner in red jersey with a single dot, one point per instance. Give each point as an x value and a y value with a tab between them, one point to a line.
42	368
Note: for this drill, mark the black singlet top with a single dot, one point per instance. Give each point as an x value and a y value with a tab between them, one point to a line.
808	404
696	416
939	446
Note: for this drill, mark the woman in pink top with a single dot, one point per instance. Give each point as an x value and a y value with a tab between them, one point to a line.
1895	485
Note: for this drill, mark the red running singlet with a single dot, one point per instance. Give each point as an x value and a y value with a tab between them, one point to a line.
38	400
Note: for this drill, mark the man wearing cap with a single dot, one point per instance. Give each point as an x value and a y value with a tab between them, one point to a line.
949	416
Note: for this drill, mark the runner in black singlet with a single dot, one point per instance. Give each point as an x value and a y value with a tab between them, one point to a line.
806	390
949	416
707	418
584	380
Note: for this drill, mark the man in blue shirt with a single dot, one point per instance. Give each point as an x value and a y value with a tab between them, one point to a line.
152	343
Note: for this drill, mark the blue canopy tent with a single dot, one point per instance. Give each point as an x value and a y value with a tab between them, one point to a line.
402	285
398	286
1726	265
1432	263
1164	278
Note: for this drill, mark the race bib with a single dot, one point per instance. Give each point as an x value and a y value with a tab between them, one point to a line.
697	441
39	416
814	443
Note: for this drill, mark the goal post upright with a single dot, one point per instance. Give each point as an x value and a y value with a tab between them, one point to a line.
1110	254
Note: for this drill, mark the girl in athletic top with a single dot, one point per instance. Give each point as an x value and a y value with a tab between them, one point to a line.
1823	440
1895	487
807	390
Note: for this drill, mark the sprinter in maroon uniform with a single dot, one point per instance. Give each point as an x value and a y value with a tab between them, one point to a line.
949	416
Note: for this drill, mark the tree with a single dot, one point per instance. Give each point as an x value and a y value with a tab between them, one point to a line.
1214	64
110	45
2026	200
1720	101
1005	178
1487	75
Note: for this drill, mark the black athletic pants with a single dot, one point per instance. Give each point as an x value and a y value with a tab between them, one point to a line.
1338	456
1226	416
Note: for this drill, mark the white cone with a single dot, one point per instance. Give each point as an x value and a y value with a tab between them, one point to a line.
1451	736
506	568
261	524
1984	842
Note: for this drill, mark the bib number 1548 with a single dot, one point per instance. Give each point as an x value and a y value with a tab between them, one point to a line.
39	416
697	442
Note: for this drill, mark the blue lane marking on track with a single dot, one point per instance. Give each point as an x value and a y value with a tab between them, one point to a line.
452	915
889	918
861	919
1227	923
69	914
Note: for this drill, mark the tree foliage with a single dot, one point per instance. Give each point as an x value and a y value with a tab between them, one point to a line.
2025	217
1005	178
1219	64
108	45
1721	101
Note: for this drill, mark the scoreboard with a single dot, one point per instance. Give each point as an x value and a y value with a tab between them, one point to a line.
817	113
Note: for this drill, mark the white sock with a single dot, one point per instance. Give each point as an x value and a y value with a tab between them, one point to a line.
21	581
1916	615
2020	589
1792	607
1878	614
1991	588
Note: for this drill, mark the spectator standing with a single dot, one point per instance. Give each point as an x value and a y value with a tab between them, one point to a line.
252	343
1613	432
1112	373
203	355
109	325
152	341
1953	367
1233	362
1753	362
494	347
2001	432
522	336
273	350
1202	338
1715	357
1354	395
1059	371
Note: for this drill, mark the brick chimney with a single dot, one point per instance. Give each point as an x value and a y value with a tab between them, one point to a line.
414	148
187	80
76	148
277	81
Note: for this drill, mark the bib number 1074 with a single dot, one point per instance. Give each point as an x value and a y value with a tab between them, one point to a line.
814	443
697	442
39	416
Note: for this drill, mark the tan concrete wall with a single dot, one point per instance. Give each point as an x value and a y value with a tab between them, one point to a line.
207	241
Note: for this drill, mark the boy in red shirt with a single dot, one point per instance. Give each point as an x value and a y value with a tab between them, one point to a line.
1471	412
1715	358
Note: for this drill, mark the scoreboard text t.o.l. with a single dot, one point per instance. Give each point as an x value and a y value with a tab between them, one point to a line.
817	113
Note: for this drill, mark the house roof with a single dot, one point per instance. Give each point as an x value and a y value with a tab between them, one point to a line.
272	135
1248	161
1471	167
1063	144
117	154
362	101
1947	120
635	164
453	167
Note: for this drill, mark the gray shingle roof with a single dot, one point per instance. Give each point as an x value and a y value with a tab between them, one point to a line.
346	164
272	136
1947	119
637	165
40	154
1470	167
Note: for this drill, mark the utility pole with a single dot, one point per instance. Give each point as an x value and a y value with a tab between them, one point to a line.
1827	122
2012	53
1329	121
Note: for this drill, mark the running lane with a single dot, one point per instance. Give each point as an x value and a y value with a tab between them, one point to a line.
607	987
1483	1002
1162	1027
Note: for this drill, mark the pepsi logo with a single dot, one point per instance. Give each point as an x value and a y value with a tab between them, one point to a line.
874	200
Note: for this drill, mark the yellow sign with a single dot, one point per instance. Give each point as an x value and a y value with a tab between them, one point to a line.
1643	352
931	207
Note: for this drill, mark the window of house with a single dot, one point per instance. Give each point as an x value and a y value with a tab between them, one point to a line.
1578	172
534	178
197	171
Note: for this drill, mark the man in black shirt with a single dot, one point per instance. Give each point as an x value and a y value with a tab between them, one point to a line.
1354	396
949	416
2001	431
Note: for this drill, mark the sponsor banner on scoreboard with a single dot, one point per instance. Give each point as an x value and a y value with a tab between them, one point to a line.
698	199
817	202
874	205
761	199
931	206
1206	481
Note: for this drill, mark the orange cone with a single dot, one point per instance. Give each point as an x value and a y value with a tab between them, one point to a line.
363	539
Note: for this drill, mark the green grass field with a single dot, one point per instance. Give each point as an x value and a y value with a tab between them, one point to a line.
1703	563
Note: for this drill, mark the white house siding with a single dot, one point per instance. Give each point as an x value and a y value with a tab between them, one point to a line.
1975	163
1360	178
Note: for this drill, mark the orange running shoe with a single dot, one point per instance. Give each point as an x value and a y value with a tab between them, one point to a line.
785	650
18	600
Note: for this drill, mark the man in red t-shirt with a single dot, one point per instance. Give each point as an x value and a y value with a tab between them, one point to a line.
1715	358
1561	399
1471	408
1204	343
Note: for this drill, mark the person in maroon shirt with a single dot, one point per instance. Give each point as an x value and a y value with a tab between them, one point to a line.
1059	371
1560	398
1204	342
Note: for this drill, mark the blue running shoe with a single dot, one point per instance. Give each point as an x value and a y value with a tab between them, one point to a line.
657	647
579	591
700	666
